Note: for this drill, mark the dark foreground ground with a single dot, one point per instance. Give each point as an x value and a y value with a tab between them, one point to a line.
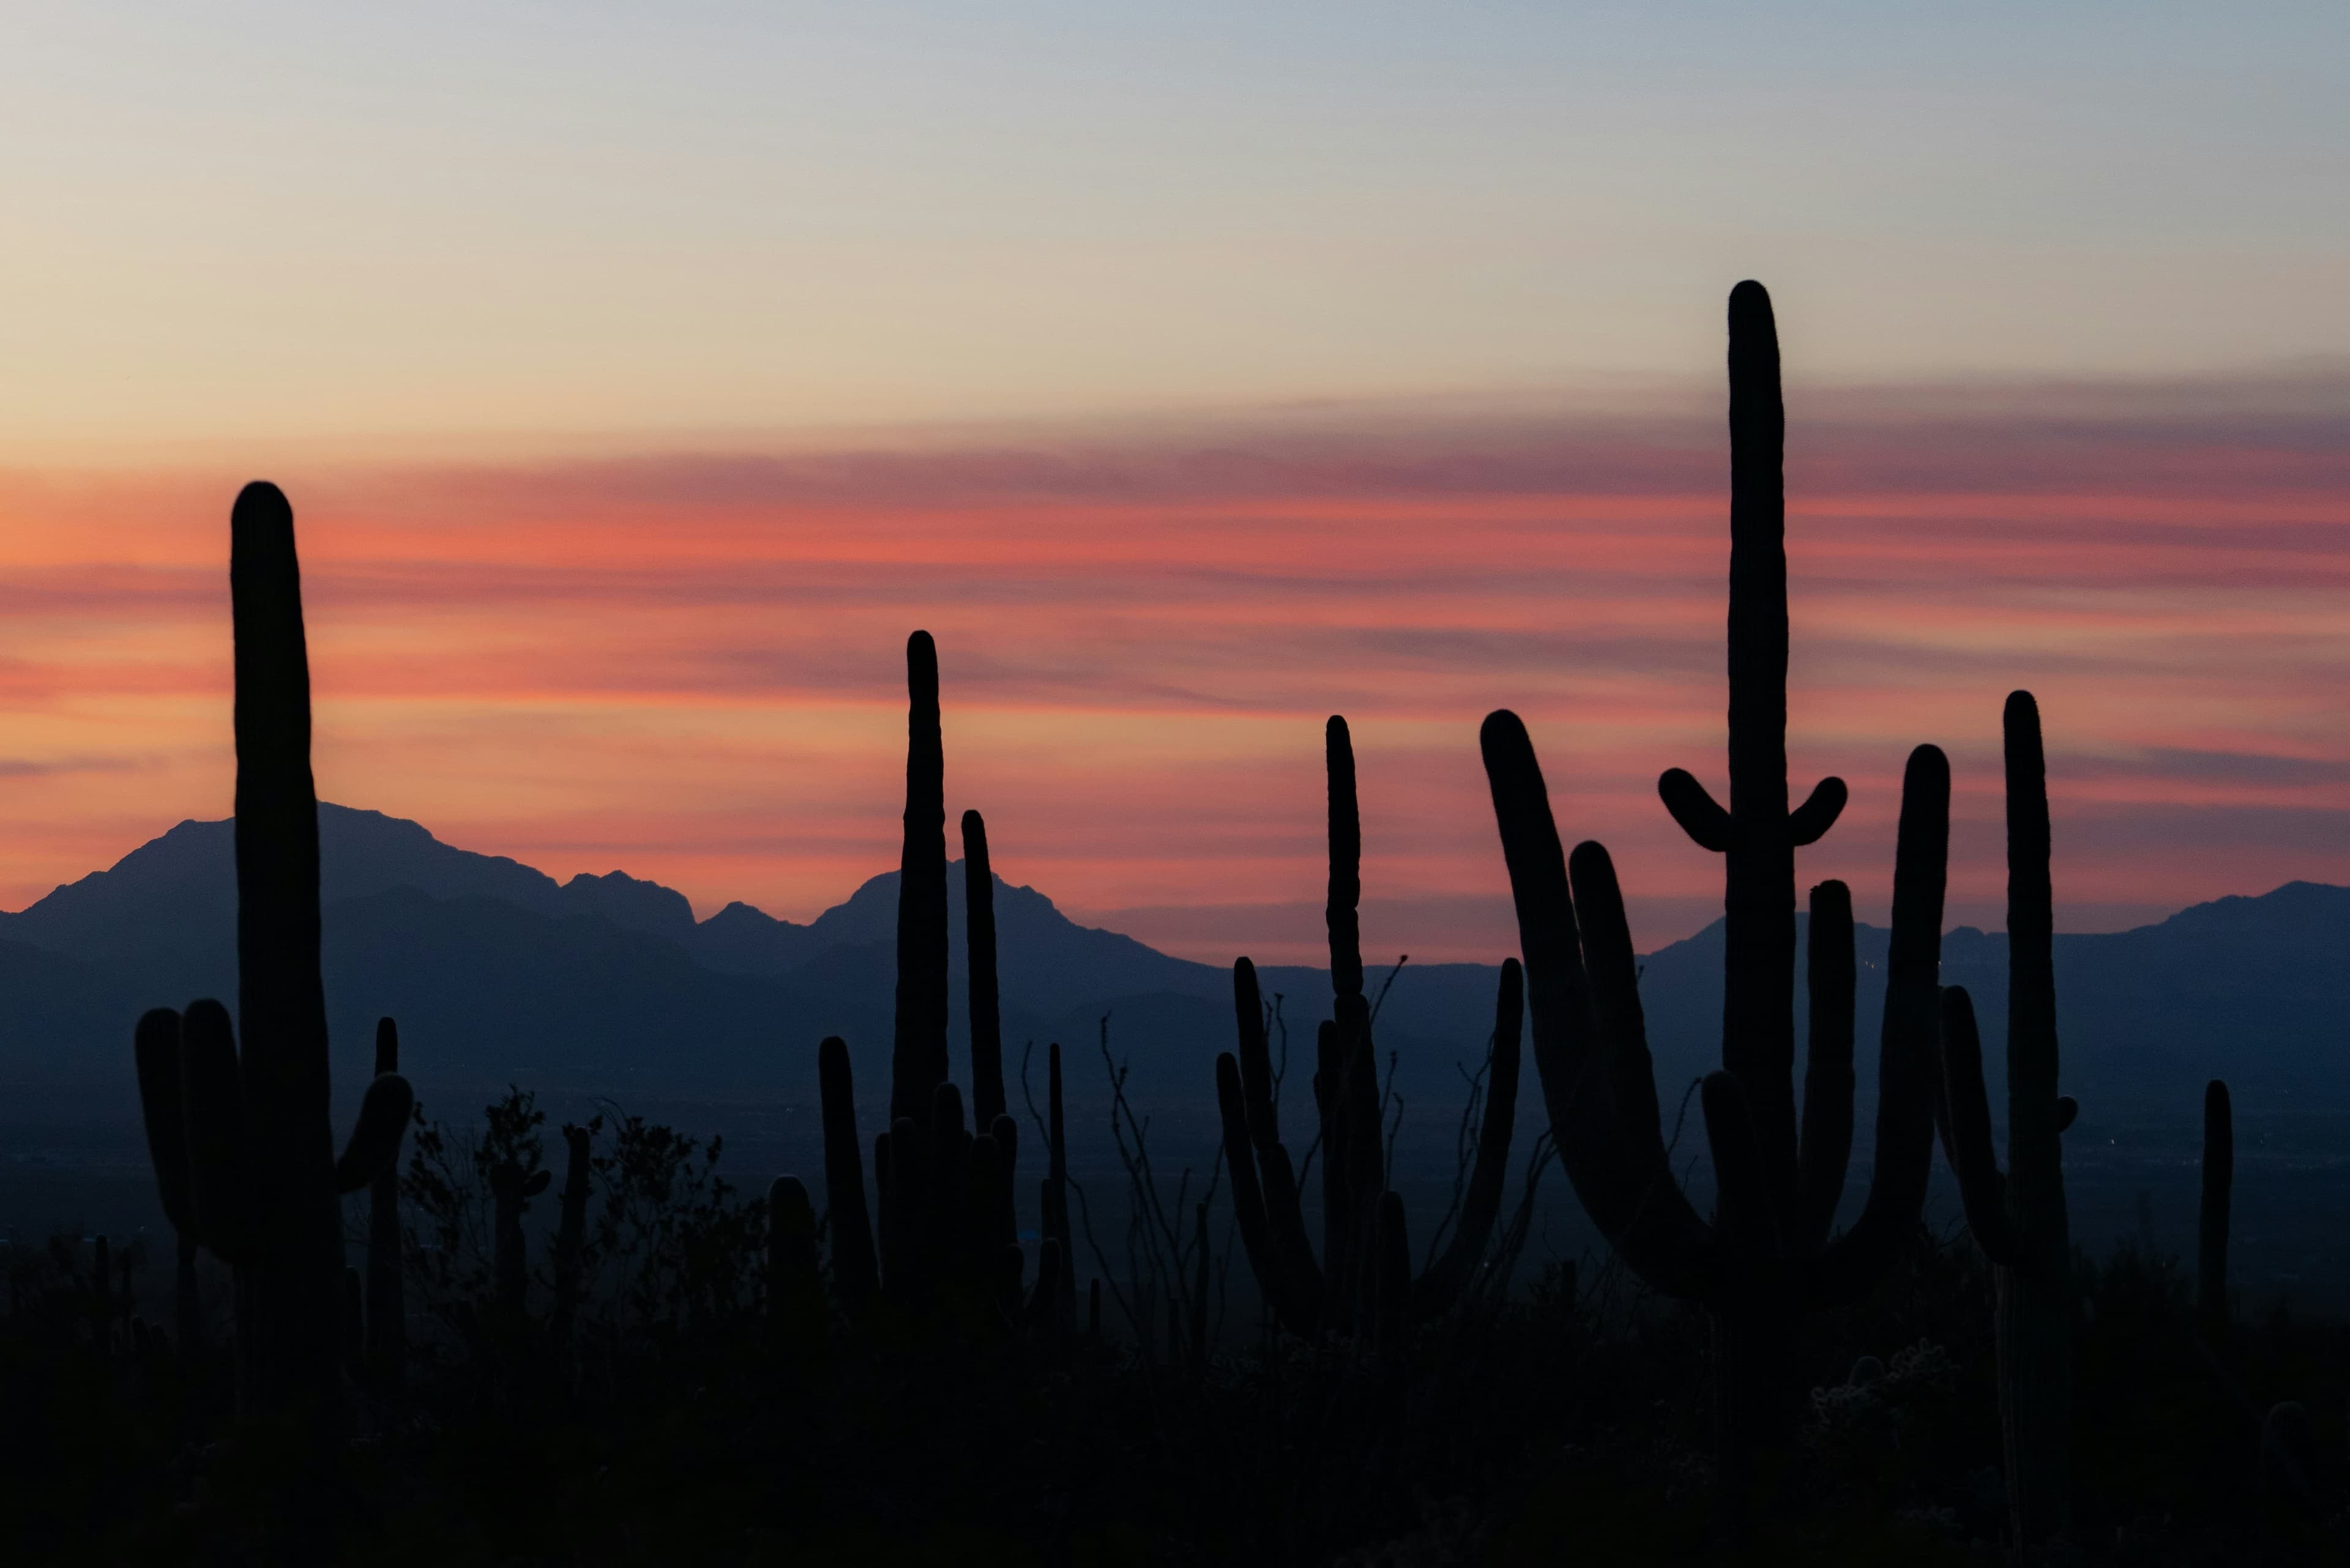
1566	1422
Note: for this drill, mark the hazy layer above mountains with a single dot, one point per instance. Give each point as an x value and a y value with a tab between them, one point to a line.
608	985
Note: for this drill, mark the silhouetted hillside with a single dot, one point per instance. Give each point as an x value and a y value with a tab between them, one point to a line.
608	985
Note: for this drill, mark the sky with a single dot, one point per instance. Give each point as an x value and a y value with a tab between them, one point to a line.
641	376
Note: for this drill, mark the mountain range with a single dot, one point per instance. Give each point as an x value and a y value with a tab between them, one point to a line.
608	985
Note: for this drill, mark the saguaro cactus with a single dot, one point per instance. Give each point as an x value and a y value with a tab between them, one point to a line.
2018	1217
1768	1251
1341	1292
2211	1227
944	1192
571	1227
919	1058
242	1145
386	1357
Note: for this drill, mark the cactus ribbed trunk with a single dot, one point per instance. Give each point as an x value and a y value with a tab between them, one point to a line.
918	1059
289	1296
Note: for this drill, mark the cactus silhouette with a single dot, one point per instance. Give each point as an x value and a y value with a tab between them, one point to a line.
2211	1221
919	1057
1055	1255
241	1141
796	1315
2018	1217
1768	1251
979	934
944	1191
386	1352
512	1187
1339	1295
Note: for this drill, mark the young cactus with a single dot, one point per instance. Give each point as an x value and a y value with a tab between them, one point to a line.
1343	1292
1768	1251
240	1142
2018	1217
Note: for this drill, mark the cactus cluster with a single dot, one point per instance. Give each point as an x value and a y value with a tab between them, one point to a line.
1364	1281
1768	1251
240	1139
944	1192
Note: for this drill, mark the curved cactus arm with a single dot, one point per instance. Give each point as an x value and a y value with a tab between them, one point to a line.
220	1177
1434	1292
1982	1187
1906	1063
1809	823
1647	1219
1708	825
2211	1218
846	1222
2067	1108
1826	1151
384	1115
155	1047
1285	1213
1660	1233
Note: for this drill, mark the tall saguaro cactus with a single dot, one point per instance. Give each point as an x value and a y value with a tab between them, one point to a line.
2018	1217
242	1145
1768	1253
1342	1292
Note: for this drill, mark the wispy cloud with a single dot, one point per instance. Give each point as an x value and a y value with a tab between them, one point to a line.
688	663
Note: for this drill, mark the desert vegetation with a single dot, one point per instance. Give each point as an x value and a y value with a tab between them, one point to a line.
485	1339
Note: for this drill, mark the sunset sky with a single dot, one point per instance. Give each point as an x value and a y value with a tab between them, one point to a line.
640	375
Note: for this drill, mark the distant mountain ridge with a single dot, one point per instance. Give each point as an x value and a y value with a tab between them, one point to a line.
608	985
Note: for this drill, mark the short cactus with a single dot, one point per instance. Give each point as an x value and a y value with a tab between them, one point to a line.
385	1358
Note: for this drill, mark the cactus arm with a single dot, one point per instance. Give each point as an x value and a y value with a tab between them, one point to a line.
2211	1218
1056	1196
2035	1152
1649	1222
220	1175
1248	1197
387	1308
1708	825
1982	1189
1041	1309
903	1211
795	1286
1435	1292
1346	862
1906	1063
2067	1107
1826	1151
986	1011
846	1222
1809	823
374	1147
1255	1056
918	1054
155	1048
947	1188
